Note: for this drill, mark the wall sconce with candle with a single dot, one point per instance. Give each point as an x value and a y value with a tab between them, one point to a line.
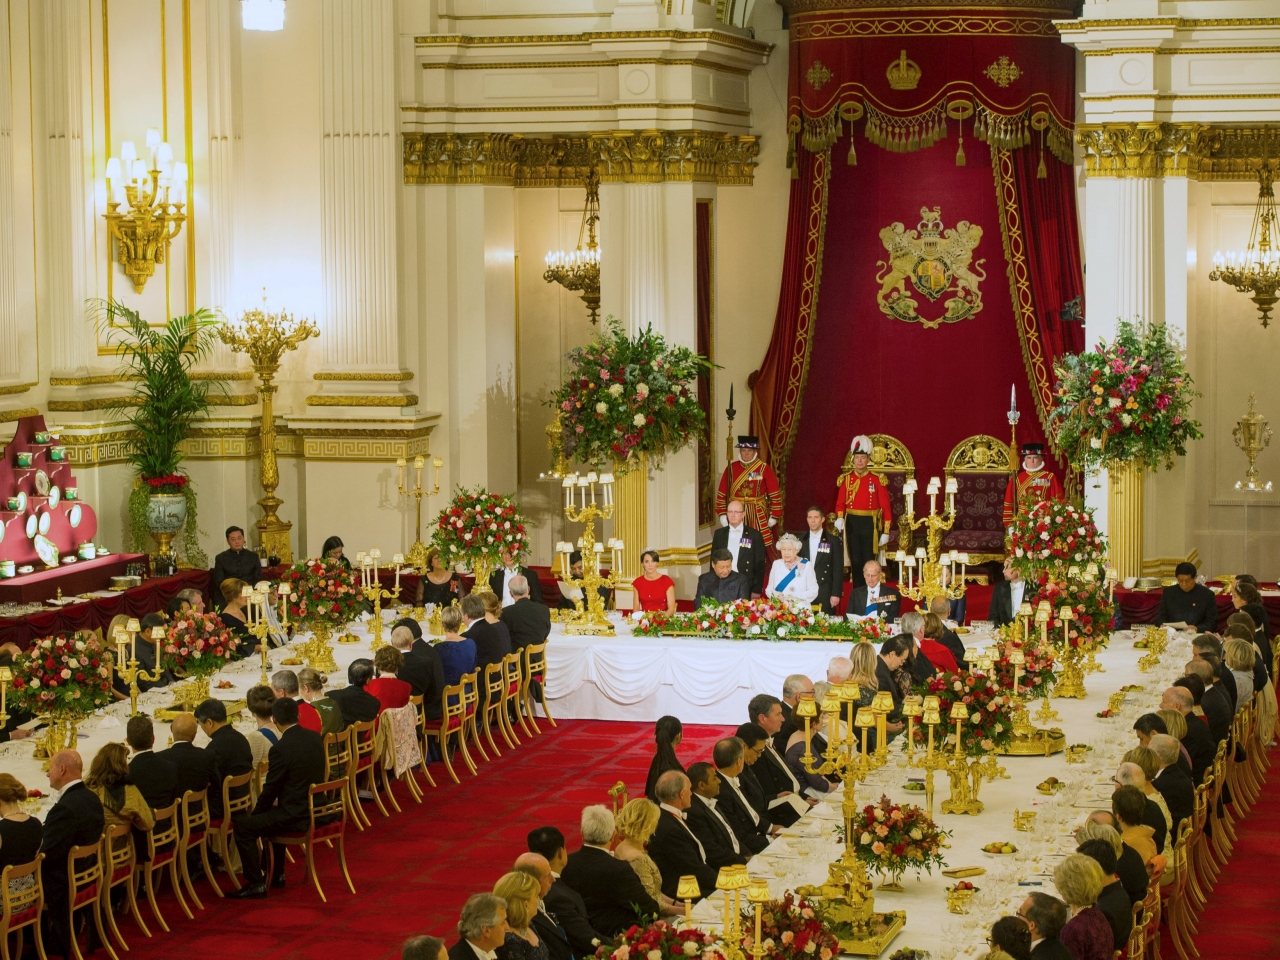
145	206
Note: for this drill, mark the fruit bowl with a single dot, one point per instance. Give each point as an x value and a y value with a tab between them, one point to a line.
913	786
1050	785
1000	849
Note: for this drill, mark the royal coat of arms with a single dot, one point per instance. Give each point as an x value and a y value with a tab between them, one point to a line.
936	262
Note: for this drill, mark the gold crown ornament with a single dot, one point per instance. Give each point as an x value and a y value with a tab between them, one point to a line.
903	74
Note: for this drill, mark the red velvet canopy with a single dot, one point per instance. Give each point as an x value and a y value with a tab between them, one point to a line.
932	241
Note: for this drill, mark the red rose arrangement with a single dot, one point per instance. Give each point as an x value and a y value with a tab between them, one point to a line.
1038	674
664	940
989	727
325	591
170	483
1093	609
197	645
895	837
790	929
763	619
66	673
1053	535
478	525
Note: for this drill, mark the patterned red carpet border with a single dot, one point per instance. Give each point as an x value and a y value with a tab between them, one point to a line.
414	871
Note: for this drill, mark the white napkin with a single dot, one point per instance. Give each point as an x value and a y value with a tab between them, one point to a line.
108	722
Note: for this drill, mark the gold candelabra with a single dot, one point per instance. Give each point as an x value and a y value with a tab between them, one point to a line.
6	678
1252	435
1157	640
417	556
371	587
847	893
928	712
579	269
1257	269
144	206
580	506
257	623
941	575
265	337
967	773
132	673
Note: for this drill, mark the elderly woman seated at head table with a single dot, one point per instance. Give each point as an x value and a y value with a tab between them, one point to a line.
791	577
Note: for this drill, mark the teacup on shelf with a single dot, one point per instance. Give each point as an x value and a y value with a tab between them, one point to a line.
24	458
43	436
58	454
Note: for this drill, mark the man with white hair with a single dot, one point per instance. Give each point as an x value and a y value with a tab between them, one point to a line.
482	928
940	607
873	597
675	850
839	669
421	669
610	889
527	621
1171	780
1198	739
1131	775
863	513
913	623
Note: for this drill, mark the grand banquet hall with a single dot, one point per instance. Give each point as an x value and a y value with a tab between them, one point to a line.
723	479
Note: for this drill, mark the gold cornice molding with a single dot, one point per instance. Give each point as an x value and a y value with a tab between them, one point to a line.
100	379
643	156
1178	23
8	416
685	556
574	108
1235	153
384	400
597	36
13	388
1178	51
1163	149
578	64
106	403
400	377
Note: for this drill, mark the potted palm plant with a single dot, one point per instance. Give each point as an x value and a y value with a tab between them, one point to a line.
165	401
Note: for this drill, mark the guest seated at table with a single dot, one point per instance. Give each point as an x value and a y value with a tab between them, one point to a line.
814	785
264	736
654	590
1240	657
875	598
391	691
1214	702
457	651
1208	647
674	848
420	667
10	730
1045	916
1150	767
357	704
1247	599
1171	780
746	545
196	768
1154	813
1087	934
920	667
720	844
1176	725
549	931
721	584
108	778
1188	602
522	894
317	711
482	928
667	734
20	833
1195	734
1012	937
526	621
755	780
791	578
234	615
424	948
440	584
491	643
500	581
184	600
333	550
1100	825
893	676
154	776
562	901
635	824
931	645
234	563
141	647
751	826
1113	901
782	790
863	663
1007	595
75	820
940	607
610	889
1128	807
576	570
228	745
493	616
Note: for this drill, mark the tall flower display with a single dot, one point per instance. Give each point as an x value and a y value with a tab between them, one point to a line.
197	645
790	929
480	529
325	594
661	940
1094	610
624	396
1052	537
895	837
989	727
1128	400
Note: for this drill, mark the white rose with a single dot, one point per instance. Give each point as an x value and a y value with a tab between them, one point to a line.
1113	402
616	390
638	419
690	948
916	834
66	674
865	838
653	955
35	684
72	662
602	407
1126	419
642	389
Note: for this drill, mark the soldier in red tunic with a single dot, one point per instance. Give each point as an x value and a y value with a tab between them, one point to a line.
753	482
863	513
1032	484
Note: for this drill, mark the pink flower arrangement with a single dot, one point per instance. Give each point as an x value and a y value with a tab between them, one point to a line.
478	525
895	837
763	619
66	673
325	591
197	645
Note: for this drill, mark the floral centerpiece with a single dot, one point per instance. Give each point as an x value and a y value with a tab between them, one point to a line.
1054	536
482	530
197	645
893	838
1038	673
326	597
66	677
989	728
1094	610
1128	400
662	941
790	929
625	396
763	619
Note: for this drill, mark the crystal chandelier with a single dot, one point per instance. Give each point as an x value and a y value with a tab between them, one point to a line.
579	269
145	206
1257	269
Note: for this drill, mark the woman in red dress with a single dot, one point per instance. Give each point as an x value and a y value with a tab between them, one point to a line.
654	590
390	691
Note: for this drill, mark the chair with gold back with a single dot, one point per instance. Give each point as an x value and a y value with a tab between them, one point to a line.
470	683
195	836
893	463
120	861
535	684
512	670
421	718
84	881
980	466
21	900
451	726
162	853
398	751
362	752
494	707
327	825
337	763
237	798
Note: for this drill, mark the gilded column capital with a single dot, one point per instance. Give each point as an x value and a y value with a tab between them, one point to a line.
1236	153
1142	149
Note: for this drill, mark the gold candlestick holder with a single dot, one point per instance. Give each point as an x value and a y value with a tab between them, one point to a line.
1071	679
373	591
133	672
588	616
417	555
932	759
941	575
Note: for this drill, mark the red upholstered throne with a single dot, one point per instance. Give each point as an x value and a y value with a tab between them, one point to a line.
980	466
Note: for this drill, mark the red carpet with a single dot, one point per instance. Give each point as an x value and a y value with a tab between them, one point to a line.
414	871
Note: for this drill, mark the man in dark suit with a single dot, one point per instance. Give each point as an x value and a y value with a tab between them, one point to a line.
771	770
421	668
1198	741
825	552
296	763
527	621
356	703
1171	780
611	892
229	747
196	769
482	928
234	562
76	820
675	849
1208	648
721	584
491	643
1045	916
1188	602
707	822
1007	596
1214	701
544	924
894	652
154	776
793	688
563	902
751	827
500	582
745	545
875	598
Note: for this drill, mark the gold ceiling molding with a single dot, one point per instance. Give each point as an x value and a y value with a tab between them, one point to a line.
106	403
13	388
385	400
1179	23
403	375
685	556
597	36
643	156
1162	149
99	379
8	416
574	64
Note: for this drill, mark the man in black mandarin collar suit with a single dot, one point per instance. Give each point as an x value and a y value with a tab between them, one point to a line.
745	544
675	850
611	891
76	820
563	902
875	597
707	821
826	552
751	827
721	584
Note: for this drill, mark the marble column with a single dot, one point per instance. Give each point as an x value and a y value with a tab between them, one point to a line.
1135	264
10	354
222	24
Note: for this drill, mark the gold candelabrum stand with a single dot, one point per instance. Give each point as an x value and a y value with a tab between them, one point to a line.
847	893
581	506
1157	640
1028	739
1252	434
318	649
127	636
417	555
927	711
371	587
941	575
1071	677
265	337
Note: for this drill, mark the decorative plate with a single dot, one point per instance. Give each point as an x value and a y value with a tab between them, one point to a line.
73	515
42	483
22	501
46	520
54	495
47	551
31	526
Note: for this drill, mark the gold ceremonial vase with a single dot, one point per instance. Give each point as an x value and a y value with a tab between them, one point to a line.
481	567
318	650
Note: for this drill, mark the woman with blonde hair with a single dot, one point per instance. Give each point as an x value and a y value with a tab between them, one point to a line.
1240	656
122	802
636	823
521	891
1088	933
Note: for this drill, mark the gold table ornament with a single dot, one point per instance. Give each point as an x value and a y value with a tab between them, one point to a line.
132	673
417	555
580	506
1252	434
688	891
372	589
941	574
265	337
